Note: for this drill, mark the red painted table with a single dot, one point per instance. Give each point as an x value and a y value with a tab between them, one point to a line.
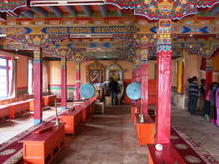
71	120
40	148
49	100
145	131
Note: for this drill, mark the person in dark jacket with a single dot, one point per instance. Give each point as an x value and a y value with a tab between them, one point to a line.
189	94
113	89
193	91
202	97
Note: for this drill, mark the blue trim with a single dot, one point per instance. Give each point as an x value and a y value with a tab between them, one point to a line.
36	121
63	108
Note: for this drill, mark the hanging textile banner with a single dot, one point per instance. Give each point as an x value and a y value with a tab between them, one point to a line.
180	76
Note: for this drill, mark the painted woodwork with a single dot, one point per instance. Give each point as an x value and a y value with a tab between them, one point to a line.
144	89
63	83
143	53
163	9
77	81
198	25
163	111
71	121
43	145
49	100
37	86
152	92
86	110
145	132
11	5
18	108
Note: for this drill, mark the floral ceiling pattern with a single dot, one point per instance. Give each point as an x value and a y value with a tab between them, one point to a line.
152	9
11	5
163	9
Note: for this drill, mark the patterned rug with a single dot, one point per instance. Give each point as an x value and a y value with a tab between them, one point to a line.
189	149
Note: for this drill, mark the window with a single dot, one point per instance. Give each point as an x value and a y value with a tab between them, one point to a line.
30	77
4	77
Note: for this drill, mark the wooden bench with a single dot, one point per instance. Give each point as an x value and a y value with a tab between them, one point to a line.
19	108
42	147
4	112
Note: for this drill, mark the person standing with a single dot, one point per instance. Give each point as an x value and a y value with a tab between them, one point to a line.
189	94
207	104
193	90
113	89
202	97
213	103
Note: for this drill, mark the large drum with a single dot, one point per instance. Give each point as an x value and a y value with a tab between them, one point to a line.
87	91
133	91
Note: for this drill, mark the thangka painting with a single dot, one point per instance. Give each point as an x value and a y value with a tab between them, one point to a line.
95	72
114	73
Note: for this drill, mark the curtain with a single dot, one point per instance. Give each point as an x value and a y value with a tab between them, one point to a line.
12	78
45	77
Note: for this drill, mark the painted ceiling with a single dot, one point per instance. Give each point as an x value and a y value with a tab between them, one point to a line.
57	22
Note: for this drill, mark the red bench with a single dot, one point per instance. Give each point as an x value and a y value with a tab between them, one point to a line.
4	112
18	108
49	100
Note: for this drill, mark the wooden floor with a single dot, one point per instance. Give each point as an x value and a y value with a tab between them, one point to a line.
105	139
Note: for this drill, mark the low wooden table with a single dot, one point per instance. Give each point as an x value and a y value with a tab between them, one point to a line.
49	100
71	121
145	131
40	148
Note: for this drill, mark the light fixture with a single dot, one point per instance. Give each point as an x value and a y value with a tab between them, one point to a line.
34	3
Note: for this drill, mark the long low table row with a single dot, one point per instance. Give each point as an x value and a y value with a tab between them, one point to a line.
43	145
14	109
178	151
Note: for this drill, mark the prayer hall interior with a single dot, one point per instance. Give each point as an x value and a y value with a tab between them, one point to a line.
109	81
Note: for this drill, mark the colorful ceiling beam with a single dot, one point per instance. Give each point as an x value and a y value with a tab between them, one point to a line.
11	5
163	9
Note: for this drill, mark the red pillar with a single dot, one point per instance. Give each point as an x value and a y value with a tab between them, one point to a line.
138	75
164	53
63	84
144	89
37	86
77	82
